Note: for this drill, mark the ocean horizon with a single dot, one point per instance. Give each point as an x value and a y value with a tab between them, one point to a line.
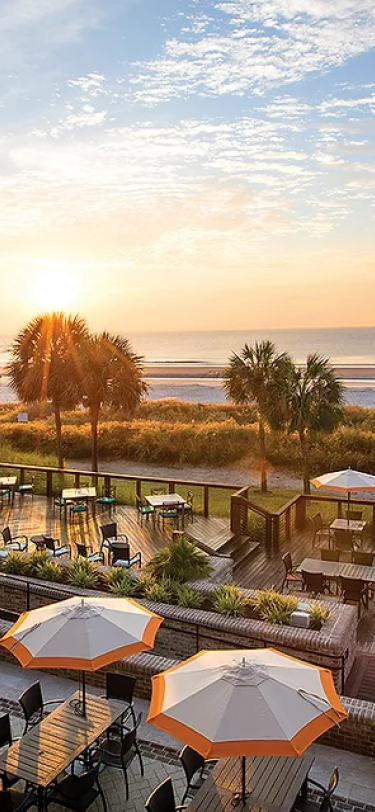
200	350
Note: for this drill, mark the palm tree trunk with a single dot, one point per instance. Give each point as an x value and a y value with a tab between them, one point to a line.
305	461
263	461
94	419
57	412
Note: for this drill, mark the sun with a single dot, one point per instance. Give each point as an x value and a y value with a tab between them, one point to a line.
55	286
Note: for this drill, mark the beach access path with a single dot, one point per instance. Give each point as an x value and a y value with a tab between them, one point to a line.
236	474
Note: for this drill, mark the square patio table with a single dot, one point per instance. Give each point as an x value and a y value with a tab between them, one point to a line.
9	483
333	569
80	494
160	500
49	747
350	525
272	784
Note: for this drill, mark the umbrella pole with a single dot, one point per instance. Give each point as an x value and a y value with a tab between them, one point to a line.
83	694
243	770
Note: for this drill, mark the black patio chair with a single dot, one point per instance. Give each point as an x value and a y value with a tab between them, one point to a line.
343	541
54	547
354	515
169	511
329	555
362	558
95	558
187	508
14	801
121	557
78	792
321	530
162	798
120	752
193	763
27	488
109	533
314	582
324	805
144	510
158	491
291	577
107	500
34	709
121	687
354	590
12	542
6	740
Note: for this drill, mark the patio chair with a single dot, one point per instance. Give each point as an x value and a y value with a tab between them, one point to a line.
78	792
14	801
187	508
109	533
54	548
354	515
192	763
291	577
5	492
144	510
120	752
122	558
27	488
162	798
324	805
78	509
170	512
362	558
343	541
158	491
82	551
329	555
61	503
107	498
321	530
121	687
12	543
6	740
354	590
34	709
314	582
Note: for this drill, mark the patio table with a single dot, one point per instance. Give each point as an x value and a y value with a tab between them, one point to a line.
9	483
49	747
349	525
272	782
79	495
160	500
333	569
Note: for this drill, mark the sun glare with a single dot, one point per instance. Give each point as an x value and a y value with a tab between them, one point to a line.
55	287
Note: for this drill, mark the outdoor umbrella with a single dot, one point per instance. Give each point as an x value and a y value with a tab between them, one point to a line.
245	702
348	481
83	634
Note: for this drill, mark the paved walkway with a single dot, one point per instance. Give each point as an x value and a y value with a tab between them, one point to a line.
357	774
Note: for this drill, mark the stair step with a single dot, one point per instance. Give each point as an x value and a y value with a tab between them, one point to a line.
243	547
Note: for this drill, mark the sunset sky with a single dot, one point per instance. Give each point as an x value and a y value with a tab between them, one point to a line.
188	164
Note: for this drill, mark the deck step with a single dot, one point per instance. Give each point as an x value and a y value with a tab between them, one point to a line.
240	548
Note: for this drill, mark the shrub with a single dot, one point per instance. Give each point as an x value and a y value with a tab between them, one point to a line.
274	607
82	573
38	559
228	600
188	597
318	615
16	564
49	571
160	591
143	583
181	561
120	582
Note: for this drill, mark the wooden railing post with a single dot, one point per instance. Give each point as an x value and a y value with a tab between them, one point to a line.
22	476
206	501
288	524
275	531
107	485
138	487
49	490
77	480
171	487
301	513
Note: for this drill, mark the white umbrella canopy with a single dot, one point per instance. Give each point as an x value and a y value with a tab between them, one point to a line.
83	634
245	702
347	480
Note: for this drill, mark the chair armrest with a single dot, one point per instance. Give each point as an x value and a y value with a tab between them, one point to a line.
53	702
184	806
316	784
21	536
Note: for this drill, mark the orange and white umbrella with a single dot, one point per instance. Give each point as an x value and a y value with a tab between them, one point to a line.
245	702
81	633
348	481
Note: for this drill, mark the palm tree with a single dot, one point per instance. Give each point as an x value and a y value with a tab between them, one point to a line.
258	376
111	376
315	401
44	364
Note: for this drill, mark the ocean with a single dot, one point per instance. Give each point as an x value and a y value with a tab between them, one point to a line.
186	365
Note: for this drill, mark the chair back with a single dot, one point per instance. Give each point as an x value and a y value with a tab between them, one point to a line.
288	564
49	543
352	588
5	732
365	559
190	498
109	530
343	540
86	781
120	553
318	521
158	491
5	801
329	555
191	762
6	534
81	549
31	701
162	798
313	581
354	515
120	686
